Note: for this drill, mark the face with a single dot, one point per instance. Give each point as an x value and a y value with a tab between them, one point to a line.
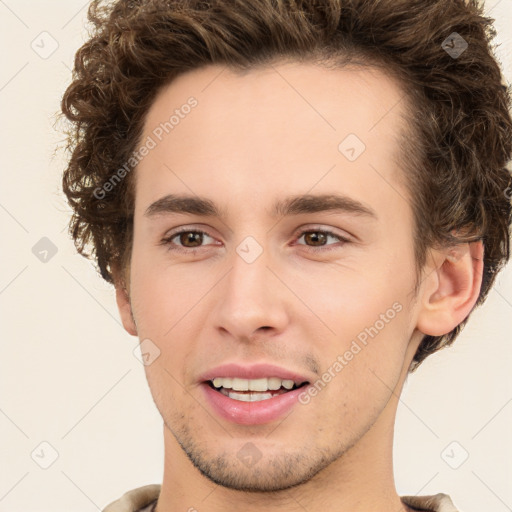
305	294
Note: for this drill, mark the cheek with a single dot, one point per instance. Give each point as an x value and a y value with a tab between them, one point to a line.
162	293
354	295
361	316
363	360
167	304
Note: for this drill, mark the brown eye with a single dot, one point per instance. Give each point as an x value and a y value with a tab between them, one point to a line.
190	237
319	238
315	237
185	240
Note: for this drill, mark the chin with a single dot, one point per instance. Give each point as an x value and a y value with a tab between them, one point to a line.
249	480
258	472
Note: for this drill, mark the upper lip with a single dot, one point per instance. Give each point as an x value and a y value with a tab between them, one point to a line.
253	371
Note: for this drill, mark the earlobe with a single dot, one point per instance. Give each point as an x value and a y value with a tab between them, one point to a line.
124	306
452	289
125	310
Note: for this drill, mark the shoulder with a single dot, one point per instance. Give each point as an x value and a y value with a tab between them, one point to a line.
134	500
439	502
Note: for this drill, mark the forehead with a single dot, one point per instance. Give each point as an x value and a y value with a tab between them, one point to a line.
293	126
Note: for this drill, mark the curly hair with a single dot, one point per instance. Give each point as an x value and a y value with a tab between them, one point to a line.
459	139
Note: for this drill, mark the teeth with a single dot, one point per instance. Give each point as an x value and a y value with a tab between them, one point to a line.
264	384
288	384
217	382
246	397
240	384
274	383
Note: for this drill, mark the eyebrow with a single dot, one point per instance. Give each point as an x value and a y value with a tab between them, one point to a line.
292	205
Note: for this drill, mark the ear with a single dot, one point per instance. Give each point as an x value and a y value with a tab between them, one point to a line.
451	289
123	303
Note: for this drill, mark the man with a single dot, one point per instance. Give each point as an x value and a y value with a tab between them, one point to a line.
297	203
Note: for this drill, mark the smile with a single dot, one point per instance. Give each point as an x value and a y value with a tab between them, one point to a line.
253	390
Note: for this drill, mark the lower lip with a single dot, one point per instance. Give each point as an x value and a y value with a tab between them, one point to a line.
251	413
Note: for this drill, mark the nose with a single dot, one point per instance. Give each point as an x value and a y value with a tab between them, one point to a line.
251	299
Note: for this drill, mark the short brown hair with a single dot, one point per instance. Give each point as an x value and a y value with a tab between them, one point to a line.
459	124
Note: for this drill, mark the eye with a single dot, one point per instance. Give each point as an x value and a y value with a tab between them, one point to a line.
318	236
185	237
188	240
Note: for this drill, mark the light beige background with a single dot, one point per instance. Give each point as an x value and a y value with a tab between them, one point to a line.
69	378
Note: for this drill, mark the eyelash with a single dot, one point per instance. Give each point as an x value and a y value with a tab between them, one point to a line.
172	247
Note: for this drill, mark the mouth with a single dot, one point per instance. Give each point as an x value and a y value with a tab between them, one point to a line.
252	394
253	390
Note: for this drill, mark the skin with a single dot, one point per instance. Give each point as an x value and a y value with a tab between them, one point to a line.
251	140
